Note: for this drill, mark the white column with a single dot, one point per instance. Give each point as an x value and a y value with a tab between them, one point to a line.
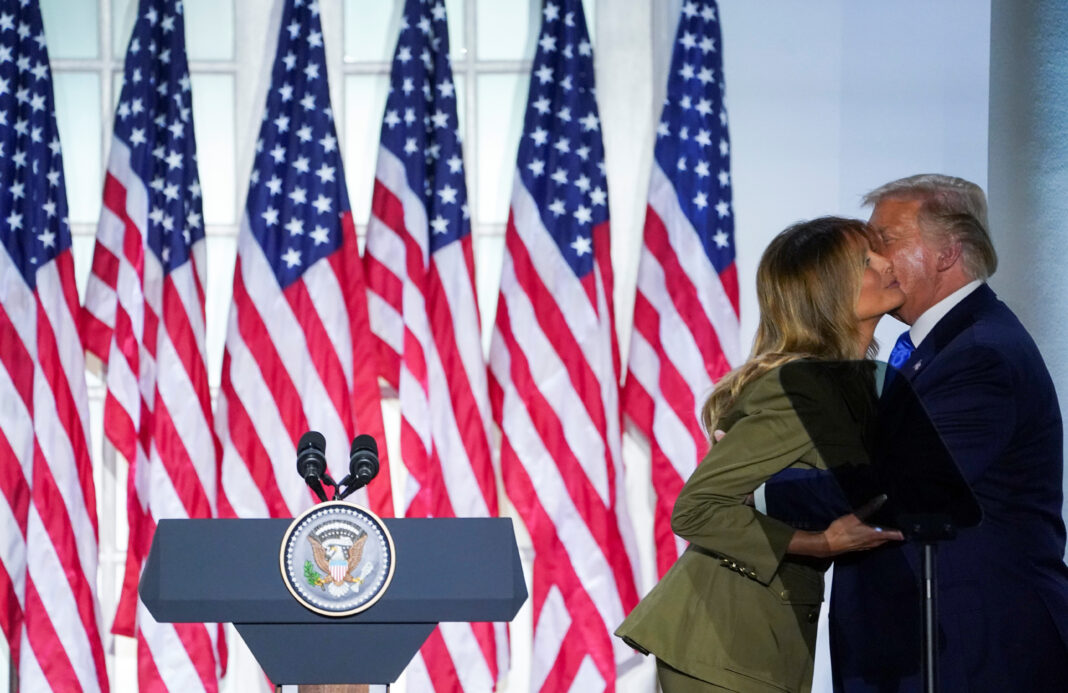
624	59
1028	170
623	51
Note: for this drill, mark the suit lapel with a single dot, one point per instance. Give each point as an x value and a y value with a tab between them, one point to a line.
959	318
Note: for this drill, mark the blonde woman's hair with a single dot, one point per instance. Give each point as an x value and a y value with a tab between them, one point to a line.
808	282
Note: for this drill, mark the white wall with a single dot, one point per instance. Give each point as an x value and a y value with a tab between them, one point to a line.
829	99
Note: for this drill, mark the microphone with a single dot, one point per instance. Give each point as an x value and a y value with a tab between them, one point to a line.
363	464
311	462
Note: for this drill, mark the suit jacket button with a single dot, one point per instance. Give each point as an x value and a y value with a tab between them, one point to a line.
813	615
785	594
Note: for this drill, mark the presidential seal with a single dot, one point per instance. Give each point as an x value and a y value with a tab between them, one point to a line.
337	559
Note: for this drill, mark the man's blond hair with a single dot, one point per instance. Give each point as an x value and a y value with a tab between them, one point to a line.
952	209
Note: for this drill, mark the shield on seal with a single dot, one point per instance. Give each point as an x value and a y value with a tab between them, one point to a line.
339	567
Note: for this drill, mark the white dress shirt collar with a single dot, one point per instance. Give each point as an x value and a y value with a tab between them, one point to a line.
926	322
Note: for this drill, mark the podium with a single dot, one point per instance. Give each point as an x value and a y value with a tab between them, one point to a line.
454	569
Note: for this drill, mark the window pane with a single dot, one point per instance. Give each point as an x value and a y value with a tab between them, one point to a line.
213	120
116	92
78	118
221	254
489	255
365	99
460	84
507	29
461	116
589	9
500	102
70	28
457	18
372	27
209	29
123	14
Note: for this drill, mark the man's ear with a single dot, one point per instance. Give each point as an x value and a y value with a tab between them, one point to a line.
949	254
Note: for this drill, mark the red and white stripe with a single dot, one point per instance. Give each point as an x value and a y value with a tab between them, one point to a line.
295	360
47	499
148	328
424	312
554	390
685	337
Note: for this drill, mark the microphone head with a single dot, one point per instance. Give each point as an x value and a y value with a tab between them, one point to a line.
363	460
312	439
364	442
363	464
311	455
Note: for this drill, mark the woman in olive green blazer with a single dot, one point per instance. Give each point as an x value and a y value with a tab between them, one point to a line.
738	610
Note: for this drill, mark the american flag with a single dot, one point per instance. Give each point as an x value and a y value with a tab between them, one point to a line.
686	311
298	346
554	368
144	318
420	273
48	557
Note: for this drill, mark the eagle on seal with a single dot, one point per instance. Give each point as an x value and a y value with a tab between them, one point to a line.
338	567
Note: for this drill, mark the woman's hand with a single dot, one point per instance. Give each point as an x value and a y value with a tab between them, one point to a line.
847	533
850	533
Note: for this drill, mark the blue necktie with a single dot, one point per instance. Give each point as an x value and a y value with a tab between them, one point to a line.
902	350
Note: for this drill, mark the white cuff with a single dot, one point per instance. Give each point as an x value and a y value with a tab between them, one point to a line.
759	502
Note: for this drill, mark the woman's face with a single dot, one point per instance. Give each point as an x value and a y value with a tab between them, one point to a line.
879	291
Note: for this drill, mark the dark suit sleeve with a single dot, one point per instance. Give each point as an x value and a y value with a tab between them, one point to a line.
808	499
971	403
837	420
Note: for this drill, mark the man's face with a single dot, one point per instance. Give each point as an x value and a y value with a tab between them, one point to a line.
915	259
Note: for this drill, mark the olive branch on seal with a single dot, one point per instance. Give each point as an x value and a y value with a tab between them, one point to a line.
314	578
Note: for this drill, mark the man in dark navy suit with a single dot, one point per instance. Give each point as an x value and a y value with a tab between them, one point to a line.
1003	585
